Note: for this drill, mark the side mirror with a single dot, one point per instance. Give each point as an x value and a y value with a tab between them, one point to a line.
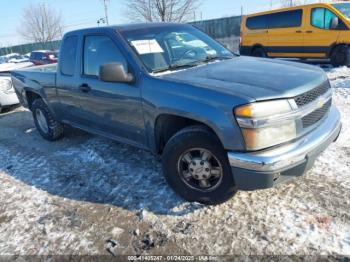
115	72
334	23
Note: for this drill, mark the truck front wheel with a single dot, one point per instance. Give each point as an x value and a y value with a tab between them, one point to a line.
196	166
45	122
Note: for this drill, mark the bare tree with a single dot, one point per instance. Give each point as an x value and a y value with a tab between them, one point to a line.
41	24
162	10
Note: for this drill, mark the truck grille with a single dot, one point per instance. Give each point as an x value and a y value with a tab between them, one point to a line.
312	95
316	115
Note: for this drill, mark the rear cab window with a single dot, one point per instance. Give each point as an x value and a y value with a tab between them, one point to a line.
69	55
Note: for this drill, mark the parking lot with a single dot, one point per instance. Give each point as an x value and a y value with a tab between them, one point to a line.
88	195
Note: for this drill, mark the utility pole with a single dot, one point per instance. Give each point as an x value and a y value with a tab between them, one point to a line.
105	4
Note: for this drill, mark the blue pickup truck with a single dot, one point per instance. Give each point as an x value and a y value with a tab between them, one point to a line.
220	122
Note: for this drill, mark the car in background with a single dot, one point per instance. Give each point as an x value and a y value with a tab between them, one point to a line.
13	58
18	59
43	57
8	96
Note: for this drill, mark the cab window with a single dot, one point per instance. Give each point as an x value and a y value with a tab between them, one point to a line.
100	50
322	18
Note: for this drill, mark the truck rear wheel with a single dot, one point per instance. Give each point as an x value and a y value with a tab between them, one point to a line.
340	56
45	122
196	166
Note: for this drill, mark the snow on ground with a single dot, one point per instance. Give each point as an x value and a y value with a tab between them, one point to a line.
89	195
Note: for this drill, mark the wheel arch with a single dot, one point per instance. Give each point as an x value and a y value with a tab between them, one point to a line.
30	96
168	124
333	46
256	46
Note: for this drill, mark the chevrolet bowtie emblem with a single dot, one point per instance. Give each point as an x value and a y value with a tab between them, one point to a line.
321	102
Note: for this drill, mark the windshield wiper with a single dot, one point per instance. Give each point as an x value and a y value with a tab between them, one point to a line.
213	58
174	67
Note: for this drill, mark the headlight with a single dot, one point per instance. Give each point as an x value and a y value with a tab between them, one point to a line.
6	85
265	124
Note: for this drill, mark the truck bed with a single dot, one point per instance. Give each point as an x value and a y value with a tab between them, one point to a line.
37	79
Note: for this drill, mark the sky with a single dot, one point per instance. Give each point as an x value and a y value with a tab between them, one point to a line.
85	13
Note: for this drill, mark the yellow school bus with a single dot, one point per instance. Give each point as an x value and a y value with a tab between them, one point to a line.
309	31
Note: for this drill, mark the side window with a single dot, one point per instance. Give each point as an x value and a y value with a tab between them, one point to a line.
69	53
285	19
99	50
328	16
317	17
257	22
322	18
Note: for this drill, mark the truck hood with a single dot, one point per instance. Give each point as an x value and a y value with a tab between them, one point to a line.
252	78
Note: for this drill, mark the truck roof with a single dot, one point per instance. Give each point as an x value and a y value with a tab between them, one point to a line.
135	26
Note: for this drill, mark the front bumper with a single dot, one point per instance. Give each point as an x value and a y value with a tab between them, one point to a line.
264	169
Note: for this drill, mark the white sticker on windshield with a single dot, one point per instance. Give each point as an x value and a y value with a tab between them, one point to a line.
147	46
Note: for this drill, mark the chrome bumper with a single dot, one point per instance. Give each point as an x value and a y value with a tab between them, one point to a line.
289	155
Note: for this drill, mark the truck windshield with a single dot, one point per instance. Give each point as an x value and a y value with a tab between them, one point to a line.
344	8
174	47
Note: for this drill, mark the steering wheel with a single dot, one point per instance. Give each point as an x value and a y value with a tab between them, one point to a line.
187	53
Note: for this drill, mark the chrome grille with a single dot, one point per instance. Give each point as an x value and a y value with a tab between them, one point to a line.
312	95
316	115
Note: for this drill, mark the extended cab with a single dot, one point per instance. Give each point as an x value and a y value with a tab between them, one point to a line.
320	30
220	122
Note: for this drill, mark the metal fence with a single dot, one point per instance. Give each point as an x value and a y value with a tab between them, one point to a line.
225	30
27	48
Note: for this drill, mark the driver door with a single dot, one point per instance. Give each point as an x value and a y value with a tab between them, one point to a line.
108	108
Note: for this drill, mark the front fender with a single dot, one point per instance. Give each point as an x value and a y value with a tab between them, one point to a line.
210	108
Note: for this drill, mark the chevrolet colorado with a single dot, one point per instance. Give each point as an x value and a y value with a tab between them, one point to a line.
220	122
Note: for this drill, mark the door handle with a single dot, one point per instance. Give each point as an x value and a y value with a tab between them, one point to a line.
85	88
309	31
298	31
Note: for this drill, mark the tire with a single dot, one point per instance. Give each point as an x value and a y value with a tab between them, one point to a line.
259	52
340	56
53	130
189	141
